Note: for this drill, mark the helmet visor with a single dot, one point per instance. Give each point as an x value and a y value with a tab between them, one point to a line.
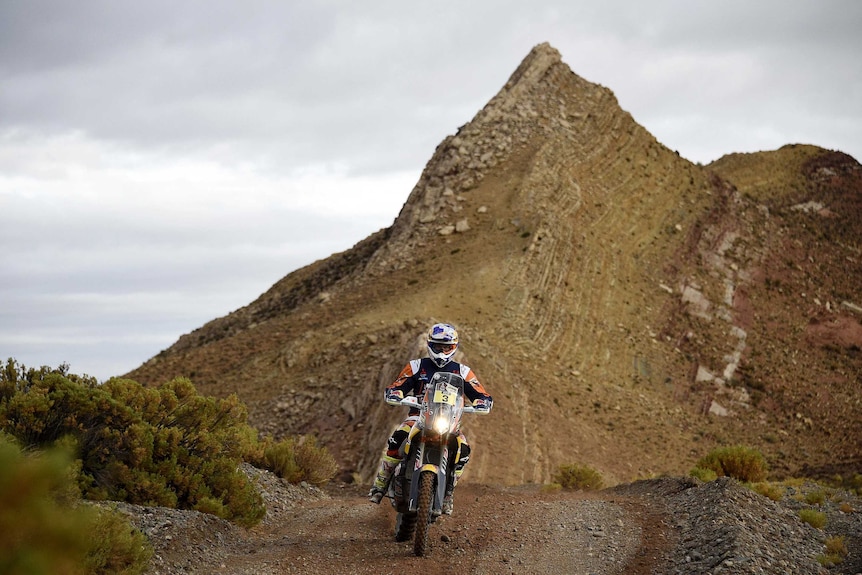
442	347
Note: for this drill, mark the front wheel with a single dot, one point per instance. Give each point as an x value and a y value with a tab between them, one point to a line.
423	513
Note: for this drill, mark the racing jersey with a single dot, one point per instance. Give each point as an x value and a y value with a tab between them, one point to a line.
417	373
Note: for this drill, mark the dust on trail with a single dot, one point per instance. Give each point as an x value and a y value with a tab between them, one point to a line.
493	530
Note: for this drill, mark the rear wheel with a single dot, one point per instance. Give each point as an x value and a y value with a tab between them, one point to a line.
423	514
405	524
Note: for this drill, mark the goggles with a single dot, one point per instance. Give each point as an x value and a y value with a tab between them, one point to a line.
443	347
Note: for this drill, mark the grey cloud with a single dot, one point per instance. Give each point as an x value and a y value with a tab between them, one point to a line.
105	297
267	90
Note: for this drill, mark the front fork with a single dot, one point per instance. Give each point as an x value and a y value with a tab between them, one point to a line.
432	455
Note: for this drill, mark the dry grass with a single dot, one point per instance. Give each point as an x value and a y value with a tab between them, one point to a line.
815	497
836	551
738	461
578	477
298	459
770	490
816	519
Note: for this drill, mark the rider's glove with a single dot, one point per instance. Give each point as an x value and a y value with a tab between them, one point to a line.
393	396
483	404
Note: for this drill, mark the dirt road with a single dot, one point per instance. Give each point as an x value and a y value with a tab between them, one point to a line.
670	525
492	531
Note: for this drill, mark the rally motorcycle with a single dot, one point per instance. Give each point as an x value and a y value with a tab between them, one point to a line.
419	482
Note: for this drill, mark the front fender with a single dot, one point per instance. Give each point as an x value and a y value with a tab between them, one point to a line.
433	457
429	467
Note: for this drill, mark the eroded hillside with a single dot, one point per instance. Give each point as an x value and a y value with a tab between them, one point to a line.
626	308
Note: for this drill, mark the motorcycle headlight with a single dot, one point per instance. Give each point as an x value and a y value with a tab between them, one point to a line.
441	424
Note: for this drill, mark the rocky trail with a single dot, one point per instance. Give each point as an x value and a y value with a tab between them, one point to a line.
664	526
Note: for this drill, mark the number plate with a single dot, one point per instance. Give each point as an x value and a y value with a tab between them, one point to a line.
447	395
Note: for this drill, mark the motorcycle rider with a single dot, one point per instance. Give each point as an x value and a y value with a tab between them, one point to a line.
442	340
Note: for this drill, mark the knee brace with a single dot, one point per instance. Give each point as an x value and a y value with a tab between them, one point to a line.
395	445
463	456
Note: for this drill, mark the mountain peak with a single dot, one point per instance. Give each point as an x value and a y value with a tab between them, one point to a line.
532	68
543	104
616	299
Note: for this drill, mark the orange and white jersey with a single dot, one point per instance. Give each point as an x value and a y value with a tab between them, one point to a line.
416	375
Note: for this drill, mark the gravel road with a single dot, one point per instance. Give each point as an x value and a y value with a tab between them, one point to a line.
670	526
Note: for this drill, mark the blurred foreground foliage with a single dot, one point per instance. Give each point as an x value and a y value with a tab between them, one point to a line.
44	527
165	446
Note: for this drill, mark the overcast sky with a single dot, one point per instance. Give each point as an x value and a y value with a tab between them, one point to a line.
164	163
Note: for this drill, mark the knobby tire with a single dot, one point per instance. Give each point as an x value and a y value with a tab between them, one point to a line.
423	513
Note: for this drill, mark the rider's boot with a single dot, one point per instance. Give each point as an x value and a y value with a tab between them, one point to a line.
449	496
384	474
448	503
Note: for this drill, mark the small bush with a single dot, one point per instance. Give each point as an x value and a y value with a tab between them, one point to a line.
705	475
115	547
852	484
739	462
317	463
279	458
836	545
212	506
815	497
298	459
836	551
816	519
770	490
578	477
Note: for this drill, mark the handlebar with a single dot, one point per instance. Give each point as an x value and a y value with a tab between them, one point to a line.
413	401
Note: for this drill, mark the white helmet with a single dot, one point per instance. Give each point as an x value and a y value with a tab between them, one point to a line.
442	343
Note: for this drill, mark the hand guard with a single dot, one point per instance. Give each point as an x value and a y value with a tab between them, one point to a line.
483	405
393	396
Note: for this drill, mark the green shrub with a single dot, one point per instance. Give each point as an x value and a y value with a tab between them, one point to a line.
739	462
816	519
298	459
579	477
212	506
166	446
47	530
279	458
705	475
115	547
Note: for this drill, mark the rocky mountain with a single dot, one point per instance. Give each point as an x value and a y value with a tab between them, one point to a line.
628	309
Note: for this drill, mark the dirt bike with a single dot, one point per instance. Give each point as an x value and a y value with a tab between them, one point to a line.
419	482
